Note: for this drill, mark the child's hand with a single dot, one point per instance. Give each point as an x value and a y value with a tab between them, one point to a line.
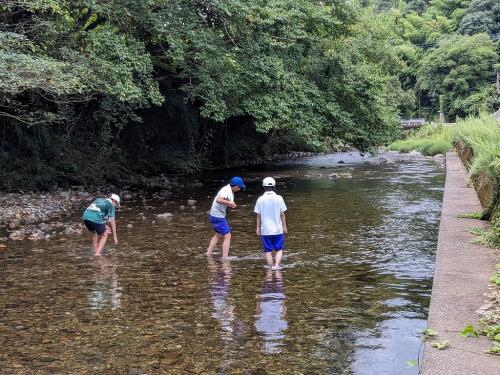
108	230
232	205
285	230
257	231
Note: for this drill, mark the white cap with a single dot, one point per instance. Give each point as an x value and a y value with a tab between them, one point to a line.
116	198
268	181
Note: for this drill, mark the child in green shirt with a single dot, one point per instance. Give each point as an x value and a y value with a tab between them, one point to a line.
96	215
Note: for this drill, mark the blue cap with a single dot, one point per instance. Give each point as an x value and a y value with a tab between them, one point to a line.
237	181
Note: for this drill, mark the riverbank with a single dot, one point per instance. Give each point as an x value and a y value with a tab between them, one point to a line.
461	280
43	215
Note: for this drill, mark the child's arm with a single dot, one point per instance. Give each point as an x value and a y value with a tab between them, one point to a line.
257	230
283	221
113	228
225	201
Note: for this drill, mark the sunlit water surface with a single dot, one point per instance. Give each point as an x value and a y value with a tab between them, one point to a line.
351	298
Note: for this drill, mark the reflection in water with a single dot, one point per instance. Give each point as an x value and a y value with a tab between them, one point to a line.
220	280
224	309
271	322
106	291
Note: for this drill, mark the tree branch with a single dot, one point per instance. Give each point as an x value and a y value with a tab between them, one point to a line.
99	21
83	21
30	123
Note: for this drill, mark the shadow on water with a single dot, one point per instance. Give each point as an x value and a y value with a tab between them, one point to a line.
351	298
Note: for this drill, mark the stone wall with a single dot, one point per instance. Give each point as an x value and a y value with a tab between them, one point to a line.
487	187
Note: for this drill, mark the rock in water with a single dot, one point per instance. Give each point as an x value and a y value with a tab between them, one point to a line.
165	216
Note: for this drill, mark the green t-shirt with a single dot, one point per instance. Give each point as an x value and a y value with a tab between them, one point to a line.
99	211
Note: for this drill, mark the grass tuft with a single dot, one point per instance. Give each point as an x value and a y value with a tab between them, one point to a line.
482	134
429	141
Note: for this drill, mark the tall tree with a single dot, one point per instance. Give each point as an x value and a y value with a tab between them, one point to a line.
458	69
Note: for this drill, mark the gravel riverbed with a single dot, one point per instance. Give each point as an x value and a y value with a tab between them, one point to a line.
43	215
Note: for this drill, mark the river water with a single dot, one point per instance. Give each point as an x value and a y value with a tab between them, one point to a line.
351	298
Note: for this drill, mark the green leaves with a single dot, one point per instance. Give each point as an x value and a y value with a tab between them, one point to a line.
488	330
429	332
294	66
411	363
468	331
122	66
440	345
460	67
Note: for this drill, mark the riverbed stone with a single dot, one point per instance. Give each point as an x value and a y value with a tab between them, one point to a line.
165	216
169	358
70	231
14	223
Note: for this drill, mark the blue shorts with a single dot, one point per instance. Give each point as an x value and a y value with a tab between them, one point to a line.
273	242
219	224
95	227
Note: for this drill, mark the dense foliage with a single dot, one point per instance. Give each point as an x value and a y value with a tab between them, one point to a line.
105	90
451	50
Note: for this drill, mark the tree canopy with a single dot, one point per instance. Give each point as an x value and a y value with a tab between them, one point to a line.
143	75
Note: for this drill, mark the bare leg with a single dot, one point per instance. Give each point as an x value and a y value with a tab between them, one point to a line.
269	275
269	258
226	244
102	242
213	243
94	240
279	254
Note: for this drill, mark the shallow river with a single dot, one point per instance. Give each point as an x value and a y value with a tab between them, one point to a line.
351	298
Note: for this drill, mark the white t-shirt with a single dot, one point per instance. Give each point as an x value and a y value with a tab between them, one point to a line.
270	206
219	209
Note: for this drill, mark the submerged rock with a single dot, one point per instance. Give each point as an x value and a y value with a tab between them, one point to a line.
165	216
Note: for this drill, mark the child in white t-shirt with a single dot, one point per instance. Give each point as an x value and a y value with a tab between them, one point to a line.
271	223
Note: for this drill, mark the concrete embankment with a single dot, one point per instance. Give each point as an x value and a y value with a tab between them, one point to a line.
461	279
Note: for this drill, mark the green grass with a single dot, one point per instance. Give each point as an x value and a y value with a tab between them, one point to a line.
491	236
429	140
482	134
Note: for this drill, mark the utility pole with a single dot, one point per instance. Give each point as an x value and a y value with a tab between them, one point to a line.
441	109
